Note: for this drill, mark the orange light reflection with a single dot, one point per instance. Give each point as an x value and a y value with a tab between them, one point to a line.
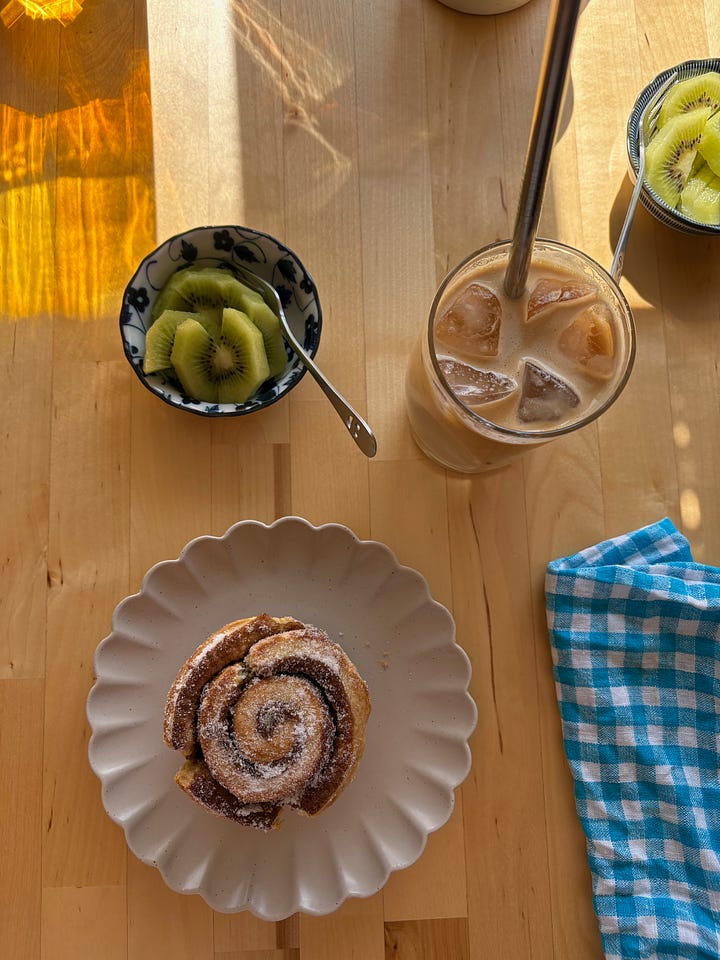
76	203
63	10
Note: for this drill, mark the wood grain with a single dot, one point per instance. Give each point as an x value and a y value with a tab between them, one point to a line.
159	921
85	921
21	736
382	141
355	930
427	938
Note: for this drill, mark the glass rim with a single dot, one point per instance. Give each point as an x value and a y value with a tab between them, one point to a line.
531	435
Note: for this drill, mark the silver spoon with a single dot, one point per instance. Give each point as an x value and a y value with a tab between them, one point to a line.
646	128
354	423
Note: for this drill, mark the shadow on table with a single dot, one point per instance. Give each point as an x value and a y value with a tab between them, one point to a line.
688	264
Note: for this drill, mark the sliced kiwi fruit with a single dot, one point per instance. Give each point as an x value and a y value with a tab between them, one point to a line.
161	336
169	298
205	294
671	153
709	146
687	95
199	289
208	290
228	370
700	200
242	297
192	355
268	325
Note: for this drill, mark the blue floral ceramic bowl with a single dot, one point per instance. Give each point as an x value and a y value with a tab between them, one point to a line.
210	246
649	199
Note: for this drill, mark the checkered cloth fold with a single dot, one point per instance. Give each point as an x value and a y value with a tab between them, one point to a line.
635	631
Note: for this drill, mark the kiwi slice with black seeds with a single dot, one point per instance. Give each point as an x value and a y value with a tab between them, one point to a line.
160	337
210	290
228	370
169	298
671	153
269	326
687	95
207	289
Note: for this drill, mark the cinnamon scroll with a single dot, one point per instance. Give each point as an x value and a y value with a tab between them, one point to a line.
269	712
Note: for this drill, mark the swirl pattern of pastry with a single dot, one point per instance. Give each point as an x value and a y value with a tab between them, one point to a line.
269	712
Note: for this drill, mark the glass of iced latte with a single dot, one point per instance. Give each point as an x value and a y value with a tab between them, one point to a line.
493	377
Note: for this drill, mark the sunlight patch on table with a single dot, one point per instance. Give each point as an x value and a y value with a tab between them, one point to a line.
303	74
76	196
690	510
681	435
64	11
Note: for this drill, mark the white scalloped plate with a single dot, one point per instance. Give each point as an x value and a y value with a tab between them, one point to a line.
416	753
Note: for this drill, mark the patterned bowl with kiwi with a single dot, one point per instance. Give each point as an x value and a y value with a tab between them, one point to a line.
175	291
687	192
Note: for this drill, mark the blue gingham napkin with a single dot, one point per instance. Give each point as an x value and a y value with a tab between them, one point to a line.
635	632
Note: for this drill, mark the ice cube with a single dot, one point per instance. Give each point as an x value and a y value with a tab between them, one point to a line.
589	341
471	324
551	292
544	396
474	386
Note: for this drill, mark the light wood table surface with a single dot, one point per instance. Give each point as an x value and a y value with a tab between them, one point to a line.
382	140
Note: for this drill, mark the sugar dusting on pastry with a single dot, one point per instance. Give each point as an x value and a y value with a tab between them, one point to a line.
270	712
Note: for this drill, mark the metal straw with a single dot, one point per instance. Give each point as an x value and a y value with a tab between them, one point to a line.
556	57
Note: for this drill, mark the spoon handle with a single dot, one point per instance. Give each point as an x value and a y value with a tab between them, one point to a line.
648	119
354	423
619	258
